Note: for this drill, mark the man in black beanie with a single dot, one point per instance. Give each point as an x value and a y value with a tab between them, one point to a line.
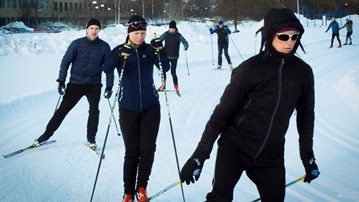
253	116
93	21
86	57
172	39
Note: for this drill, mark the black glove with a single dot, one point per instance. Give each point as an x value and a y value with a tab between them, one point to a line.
157	44
311	170
186	48
191	170
125	50
61	87
108	92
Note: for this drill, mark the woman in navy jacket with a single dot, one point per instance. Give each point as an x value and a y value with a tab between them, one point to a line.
138	104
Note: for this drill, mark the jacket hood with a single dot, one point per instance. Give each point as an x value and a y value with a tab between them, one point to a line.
277	19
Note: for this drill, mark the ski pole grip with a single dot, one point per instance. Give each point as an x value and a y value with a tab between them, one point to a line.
128	43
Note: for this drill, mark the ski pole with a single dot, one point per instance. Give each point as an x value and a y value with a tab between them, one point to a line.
305	47
114	119
109	122
212	50
58	101
255	45
163	190
236	47
169	115
287	185
185	55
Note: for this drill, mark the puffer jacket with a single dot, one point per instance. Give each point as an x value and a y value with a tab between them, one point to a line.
86	58
138	91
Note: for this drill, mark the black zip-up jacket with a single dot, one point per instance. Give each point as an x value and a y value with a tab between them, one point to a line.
256	106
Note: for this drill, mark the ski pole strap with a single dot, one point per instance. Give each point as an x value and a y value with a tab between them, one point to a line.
163	190
287	185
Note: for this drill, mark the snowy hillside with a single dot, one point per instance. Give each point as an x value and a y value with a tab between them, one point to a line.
65	170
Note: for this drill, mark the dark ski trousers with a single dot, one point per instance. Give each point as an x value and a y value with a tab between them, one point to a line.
221	48
268	175
73	94
348	36
173	71
139	132
333	36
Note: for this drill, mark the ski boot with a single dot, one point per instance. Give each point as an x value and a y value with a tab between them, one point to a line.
141	194
127	198
162	87
92	146
35	144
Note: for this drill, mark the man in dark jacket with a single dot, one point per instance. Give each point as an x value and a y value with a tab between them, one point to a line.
172	39
253	115
222	31
86	56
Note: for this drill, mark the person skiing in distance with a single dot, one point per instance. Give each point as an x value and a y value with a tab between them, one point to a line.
139	105
335	32
86	56
349	25
222	31
252	117
172	39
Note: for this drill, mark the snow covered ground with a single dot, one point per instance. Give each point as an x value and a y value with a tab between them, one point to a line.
65	171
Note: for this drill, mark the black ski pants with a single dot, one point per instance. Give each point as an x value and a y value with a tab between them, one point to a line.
173	63
268	175
139	132
348	36
332	40
73	94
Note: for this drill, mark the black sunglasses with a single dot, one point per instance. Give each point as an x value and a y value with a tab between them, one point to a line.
285	36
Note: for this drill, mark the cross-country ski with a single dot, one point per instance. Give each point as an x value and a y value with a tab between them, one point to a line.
28	148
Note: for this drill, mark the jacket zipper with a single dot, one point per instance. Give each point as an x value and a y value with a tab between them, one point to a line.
274	111
139	79
244	109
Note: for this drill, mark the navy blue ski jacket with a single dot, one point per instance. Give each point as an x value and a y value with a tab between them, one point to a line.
138	91
86	58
